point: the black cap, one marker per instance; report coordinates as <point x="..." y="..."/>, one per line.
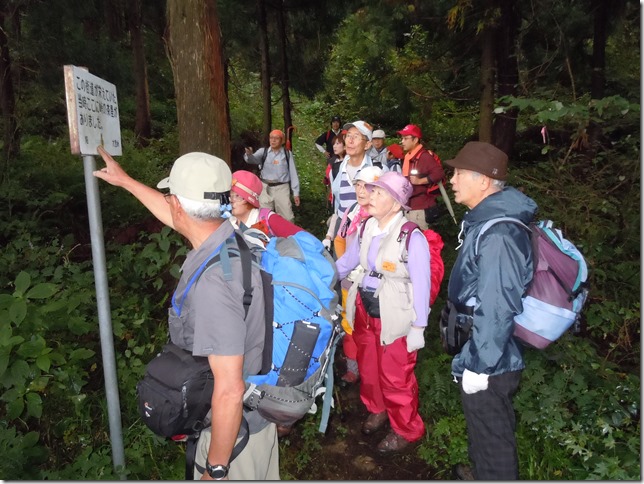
<point x="336" y="118"/>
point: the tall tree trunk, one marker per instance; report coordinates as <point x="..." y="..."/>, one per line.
<point x="143" y="122"/>
<point x="286" y="97"/>
<point x="505" y="125"/>
<point x="487" y="84"/>
<point x="11" y="136"/>
<point x="265" y="73"/>
<point x="195" y="50"/>
<point x="601" y="12"/>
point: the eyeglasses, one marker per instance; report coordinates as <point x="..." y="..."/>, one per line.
<point x="361" y="187"/>
<point x="355" y="137"/>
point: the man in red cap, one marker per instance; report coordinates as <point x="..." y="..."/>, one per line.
<point x="423" y="170"/>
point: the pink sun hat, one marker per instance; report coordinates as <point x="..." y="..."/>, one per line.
<point x="398" y="186"/>
<point x="248" y="186"/>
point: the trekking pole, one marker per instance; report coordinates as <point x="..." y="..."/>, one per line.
<point x="447" y="201"/>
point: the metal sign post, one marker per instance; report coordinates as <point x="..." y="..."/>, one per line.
<point x="92" y="115"/>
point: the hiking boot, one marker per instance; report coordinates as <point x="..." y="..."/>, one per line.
<point x="283" y="430"/>
<point x="375" y="421"/>
<point x="393" y="443"/>
<point x="462" y="472"/>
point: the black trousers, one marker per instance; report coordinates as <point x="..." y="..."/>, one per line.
<point x="491" y="424"/>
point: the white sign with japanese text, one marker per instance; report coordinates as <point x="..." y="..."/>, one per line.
<point x="92" y="113"/>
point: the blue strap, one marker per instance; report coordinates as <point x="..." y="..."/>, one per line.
<point x="179" y="306"/>
<point x="328" y="394"/>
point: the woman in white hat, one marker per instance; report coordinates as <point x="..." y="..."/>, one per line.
<point x="348" y="230"/>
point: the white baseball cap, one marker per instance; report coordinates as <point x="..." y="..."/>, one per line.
<point x="368" y="174"/>
<point x="362" y="126"/>
<point x="379" y="134"/>
<point x="198" y="176"/>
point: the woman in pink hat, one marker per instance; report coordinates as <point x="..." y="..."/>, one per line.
<point x="244" y="198"/>
<point x="388" y="306"/>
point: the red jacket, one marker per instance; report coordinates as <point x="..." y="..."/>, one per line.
<point x="426" y="165"/>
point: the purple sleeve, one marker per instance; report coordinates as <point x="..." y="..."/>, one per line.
<point x="349" y="260"/>
<point x="419" y="273"/>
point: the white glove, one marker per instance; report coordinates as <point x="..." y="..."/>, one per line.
<point x="326" y="243"/>
<point x="474" y="382"/>
<point x="415" y="339"/>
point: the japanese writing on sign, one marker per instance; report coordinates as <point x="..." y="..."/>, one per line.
<point x="92" y="113"/>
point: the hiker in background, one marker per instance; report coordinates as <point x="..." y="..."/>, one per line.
<point x="211" y="320"/>
<point x="339" y="152"/>
<point x="488" y="288"/>
<point x="394" y="157"/>
<point x="378" y="151"/>
<point x="324" y="142"/>
<point x="278" y="174"/>
<point x="351" y="221"/>
<point x="424" y="173"/>
<point x="357" y="141"/>
<point x="244" y="199"/>
<point x="388" y="305"/>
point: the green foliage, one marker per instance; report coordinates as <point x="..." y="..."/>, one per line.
<point x="570" y="400"/>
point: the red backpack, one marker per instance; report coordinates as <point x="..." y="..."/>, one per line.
<point x="435" y="242"/>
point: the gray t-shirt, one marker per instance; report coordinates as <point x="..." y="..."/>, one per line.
<point x="209" y="318"/>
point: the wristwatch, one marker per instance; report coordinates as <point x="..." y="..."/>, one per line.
<point x="217" y="472"/>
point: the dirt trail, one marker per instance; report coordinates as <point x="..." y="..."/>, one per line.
<point x="346" y="453"/>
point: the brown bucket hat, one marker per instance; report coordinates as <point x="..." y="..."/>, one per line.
<point x="483" y="158"/>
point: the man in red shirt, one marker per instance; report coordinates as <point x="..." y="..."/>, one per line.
<point x="423" y="171"/>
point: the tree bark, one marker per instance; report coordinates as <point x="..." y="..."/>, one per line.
<point x="601" y="12"/>
<point x="143" y="122"/>
<point x="195" y="51"/>
<point x="505" y="125"/>
<point x="487" y="85"/>
<point x="286" y="97"/>
<point x="11" y="135"/>
<point x="265" y="73"/>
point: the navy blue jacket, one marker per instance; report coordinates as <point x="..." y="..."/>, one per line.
<point x="493" y="282"/>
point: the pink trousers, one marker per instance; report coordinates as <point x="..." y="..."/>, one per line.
<point x="387" y="376"/>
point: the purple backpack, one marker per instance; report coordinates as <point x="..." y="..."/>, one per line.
<point x="559" y="287"/>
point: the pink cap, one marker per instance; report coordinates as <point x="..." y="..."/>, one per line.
<point x="411" y="130"/>
<point x="248" y="186"/>
<point x="396" y="185"/>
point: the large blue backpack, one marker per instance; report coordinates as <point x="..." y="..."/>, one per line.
<point x="305" y="330"/>
<point x="302" y="324"/>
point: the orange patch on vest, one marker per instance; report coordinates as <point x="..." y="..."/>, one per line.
<point x="389" y="266"/>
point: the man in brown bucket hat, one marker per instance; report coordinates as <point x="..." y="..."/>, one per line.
<point x="486" y="290"/>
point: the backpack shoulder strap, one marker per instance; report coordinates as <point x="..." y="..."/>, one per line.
<point x="494" y="221"/>
<point x="342" y="231"/>
<point x="246" y="262"/>
<point x="264" y="216"/>
<point x="407" y="228"/>
<point x="264" y="155"/>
